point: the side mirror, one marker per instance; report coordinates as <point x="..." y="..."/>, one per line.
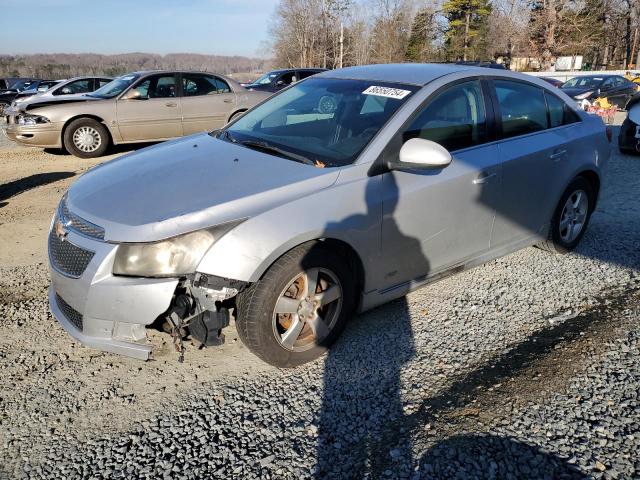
<point x="280" y="83"/>
<point x="133" y="95"/>
<point x="66" y="91"/>
<point x="421" y="154"/>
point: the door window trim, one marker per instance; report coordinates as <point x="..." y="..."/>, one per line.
<point x="498" y="116"/>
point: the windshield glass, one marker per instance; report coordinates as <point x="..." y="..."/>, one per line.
<point x="266" y="79"/>
<point x="21" y="85"/>
<point x="583" y="82"/>
<point x="115" y="87"/>
<point x="326" y="122"/>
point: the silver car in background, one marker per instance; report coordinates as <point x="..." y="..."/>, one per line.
<point x="342" y="192"/>
<point x="61" y="89"/>
<point x="149" y="106"/>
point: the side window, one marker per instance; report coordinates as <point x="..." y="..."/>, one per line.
<point x="157" y="86"/>
<point x="559" y="112"/>
<point x="455" y="118"/>
<point x="609" y="83"/>
<point x="79" y="86"/>
<point x="287" y="78"/>
<point x="222" y="86"/>
<point x="196" y="85"/>
<point x="522" y="108"/>
<point x="302" y="74"/>
<point x="102" y="82"/>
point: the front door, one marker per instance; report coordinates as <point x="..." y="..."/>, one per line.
<point x="433" y="220"/>
<point x="155" y="114"/>
<point x="207" y="102"/>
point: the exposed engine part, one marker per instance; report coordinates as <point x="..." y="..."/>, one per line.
<point x="200" y="307"/>
<point x="207" y="328"/>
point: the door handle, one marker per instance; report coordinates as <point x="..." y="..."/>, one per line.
<point x="228" y="100"/>
<point x="171" y="104"/>
<point x="557" y="154"/>
<point x="484" y="179"/>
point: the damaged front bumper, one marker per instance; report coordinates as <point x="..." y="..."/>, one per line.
<point x="110" y="312"/>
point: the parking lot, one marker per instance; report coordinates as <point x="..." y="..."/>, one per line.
<point x="527" y="367"/>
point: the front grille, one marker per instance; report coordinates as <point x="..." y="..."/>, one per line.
<point x="67" y="258"/>
<point x="79" y="224"/>
<point x="69" y="312"/>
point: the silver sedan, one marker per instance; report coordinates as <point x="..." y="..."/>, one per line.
<point x="342" y="192"/>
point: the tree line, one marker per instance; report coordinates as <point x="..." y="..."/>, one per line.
<point x="59" y="65"/>
<point x="327" y="33"/>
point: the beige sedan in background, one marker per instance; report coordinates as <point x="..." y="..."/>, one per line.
<point x="137" y="107"/>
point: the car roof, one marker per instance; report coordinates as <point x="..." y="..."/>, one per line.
<point x="411" y="73"/>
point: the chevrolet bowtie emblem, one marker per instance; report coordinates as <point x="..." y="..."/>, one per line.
<point x="61" y="232"/>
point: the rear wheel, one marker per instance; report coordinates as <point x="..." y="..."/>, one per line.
<point x="86" y="138"/>
<point x="298" y="308"/>
<point x="571" y="217"/>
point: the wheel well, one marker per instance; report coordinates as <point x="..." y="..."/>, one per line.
<point x="242" y="110"/>
<point x="77" y="117"/>
<point x="593" y="179"/>
<point x="351" y="256"/>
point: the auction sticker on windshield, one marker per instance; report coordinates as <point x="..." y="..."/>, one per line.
<point x="387" y="92"/>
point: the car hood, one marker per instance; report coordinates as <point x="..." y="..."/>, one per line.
<point x="39" y="102"/>
<point x="572" y="92"/>
<point x="188" y="184"/>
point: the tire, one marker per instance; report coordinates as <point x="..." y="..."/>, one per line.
<point x="561" y="240"/>
<point x="79" y="134"/>
<point x="264" y="331"/>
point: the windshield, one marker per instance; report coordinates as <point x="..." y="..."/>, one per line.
<point x="115" y="87"/>
<point x="21" y="85"/>
<point x="326" y="122"/>
<point x="583" y="82"/>
<point x="266" y="79"/>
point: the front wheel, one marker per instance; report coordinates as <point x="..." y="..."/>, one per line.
<point x="298" y="308"/>
<point x="571" y="217"/>
<point x="86" y="138"/>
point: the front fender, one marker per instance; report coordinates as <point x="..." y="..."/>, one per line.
<point x="349" y="212"/>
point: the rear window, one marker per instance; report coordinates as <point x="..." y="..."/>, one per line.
<point x="522" y="108"/>
<point x="559" y="112"/>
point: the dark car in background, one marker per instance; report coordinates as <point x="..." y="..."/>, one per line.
<point x="553" y="81"/>
<point x="482" y="63"/>
<point x="278" y="79"/>
<point x="629" y="136"/>
<point x="615" y="88"/>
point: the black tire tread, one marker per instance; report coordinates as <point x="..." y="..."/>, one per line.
<point x="71" y="148"/>
<point x="250" y="310"/>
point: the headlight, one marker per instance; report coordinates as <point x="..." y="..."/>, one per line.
<point x="584" y="95"/>
<point x="27" y="119"/>
<point x="168" y="258"/>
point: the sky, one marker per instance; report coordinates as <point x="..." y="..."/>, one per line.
<point x="219" y="27"/>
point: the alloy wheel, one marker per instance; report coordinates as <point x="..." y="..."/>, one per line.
<point x="574" y="215"/>
<point x="307" y="309"/>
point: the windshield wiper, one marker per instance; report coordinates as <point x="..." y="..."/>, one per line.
<point x="225" y="135"/>
<point x="278" y="151"/>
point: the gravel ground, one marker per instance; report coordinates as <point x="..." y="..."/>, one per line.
<point x="527" y="367"/>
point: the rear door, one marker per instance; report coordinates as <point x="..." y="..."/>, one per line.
<point x="533" y="154"/>
<point x="207" y="102"/>
<point x="156" y="114"/>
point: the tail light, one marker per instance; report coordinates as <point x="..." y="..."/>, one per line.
<point x="609" y="133"/>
